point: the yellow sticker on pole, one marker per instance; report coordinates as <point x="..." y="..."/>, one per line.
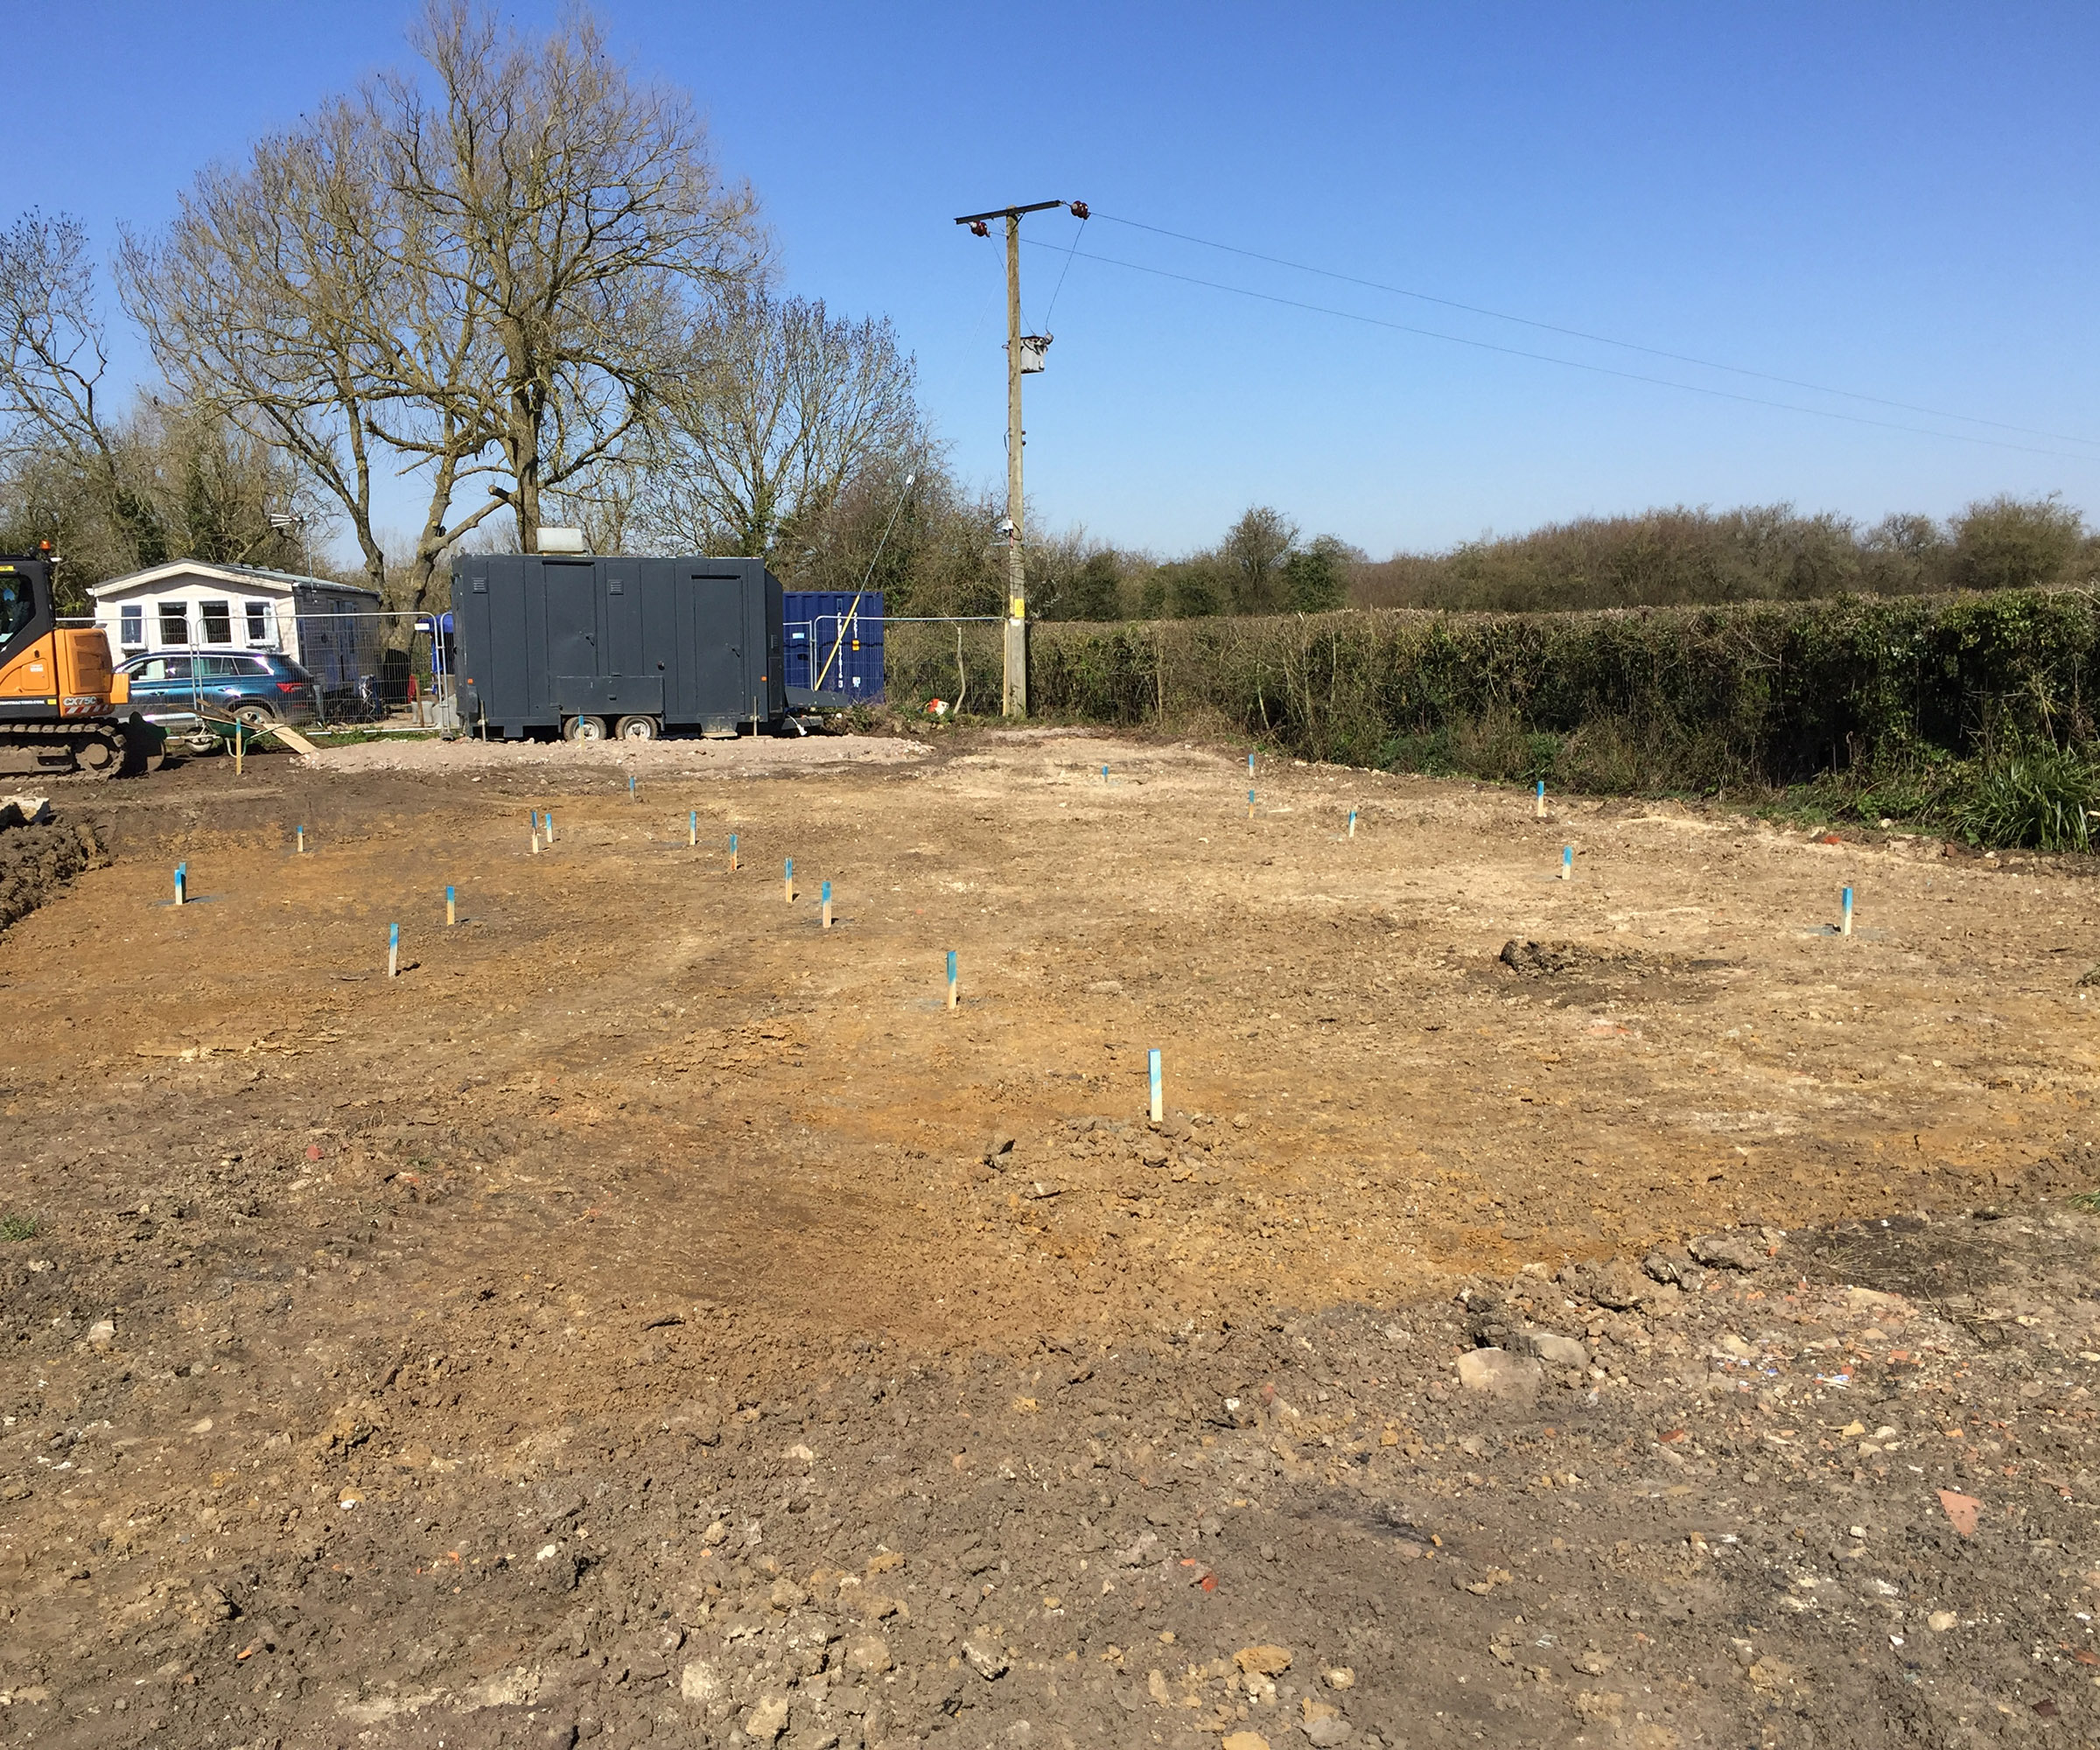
<point x="1017" y="609"/>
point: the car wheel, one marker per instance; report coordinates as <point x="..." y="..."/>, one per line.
<point x="257" y="717"/>
<point x="636" y="729"/>
<point x="585" y="729"/>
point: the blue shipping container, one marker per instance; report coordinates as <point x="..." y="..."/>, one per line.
<point x="828" y="635"/>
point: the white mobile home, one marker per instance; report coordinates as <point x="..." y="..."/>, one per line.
<point x="331" y="630"/>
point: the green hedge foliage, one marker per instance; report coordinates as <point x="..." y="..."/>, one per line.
<point x="1974" y="712"/>
<point x="1762" y="692"/>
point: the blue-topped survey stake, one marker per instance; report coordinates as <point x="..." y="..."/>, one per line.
<point x="826" y="905"/>
<point x="1352" y="823"/>
<point x="550" y="820"/>
<point x="788" y="880"/>
<point x="451" y="915"/>
<point x="1541" y="808"/>
<point x="1250" y="805"/>
<point x="1159" y="1092"/>
<point x="951" y="978"/>
<point x="182" y="871"/>
<point x="1567" y="862"/>
<point x="692" y="827"/>
<point x="733" y="853"/>
<point x="393" y="949"/>
<point x="630" y="787"/>
<point x="1104" y="774"/>
<point x="1251" y="762"/>
<point x="302" y="833"/>
<point x="1845" y="928"/>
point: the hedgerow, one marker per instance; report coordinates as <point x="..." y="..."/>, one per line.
<point x="1973" y="710"/>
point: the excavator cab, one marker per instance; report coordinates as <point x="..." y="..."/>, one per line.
<point x="18" y="606"/>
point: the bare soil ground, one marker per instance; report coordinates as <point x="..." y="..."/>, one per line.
<point x="651" y="1317"/>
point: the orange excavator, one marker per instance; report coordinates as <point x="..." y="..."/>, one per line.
<point x="62" y="705"/>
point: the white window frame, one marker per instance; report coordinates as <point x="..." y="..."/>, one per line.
<point x="131" y="626"/>
<point x="164" y="611"/>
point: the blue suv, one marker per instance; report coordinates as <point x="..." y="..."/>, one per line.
<point x="259" y="687"/>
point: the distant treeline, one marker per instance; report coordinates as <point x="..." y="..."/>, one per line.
<point x="1262" y="564"/>
<point x="1682" y="557"/>
<point x="1676" y="558"/>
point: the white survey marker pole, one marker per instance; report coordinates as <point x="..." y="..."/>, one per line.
<point x="1023" y="355"/>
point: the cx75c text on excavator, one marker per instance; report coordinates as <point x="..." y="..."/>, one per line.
<point x="62" y="707"/>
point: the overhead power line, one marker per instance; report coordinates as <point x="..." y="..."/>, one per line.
<point x="1082" y="215"/>
<point x="1578" y="364"/>
<point x="1599" y="340"/>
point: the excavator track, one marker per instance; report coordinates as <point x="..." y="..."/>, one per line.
<point x="86" y="750"/>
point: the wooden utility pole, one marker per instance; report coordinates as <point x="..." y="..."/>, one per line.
<point x="1017" y="579"/>
<point x="1024" y="355"/>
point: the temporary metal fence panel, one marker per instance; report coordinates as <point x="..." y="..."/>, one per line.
<point x="346" y="652"/>
<point x="366" y="662"/>
<point x="341" y="640"/>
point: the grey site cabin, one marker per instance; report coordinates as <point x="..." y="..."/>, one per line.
<point x="587" y="647"/>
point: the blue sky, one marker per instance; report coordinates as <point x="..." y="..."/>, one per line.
<point x="1897" y="199"/>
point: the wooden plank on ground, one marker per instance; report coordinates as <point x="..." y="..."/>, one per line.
<point x="291" y="738"/>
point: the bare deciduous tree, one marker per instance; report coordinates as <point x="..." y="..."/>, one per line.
<point x="198" y="485"/>
<point x="487" y="280"/>
<point x="53" y="357"/>
<point x="580" y="210"/>
<point x="931" y="548"/>
<point x="283" y="296"/>
<point x="791" y="405"/>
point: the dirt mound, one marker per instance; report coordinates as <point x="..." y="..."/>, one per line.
<point x="1580" y="959"/>
<point x="1564" y="959"/>
<point x="1548" y="959"/>
<point x="35" y="861"/>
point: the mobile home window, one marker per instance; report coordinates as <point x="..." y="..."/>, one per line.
<point x="218" y="622"/>
<point x="258" y="622"/>
<point x="132" y="629"/>
<point x="174" y="622"/>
